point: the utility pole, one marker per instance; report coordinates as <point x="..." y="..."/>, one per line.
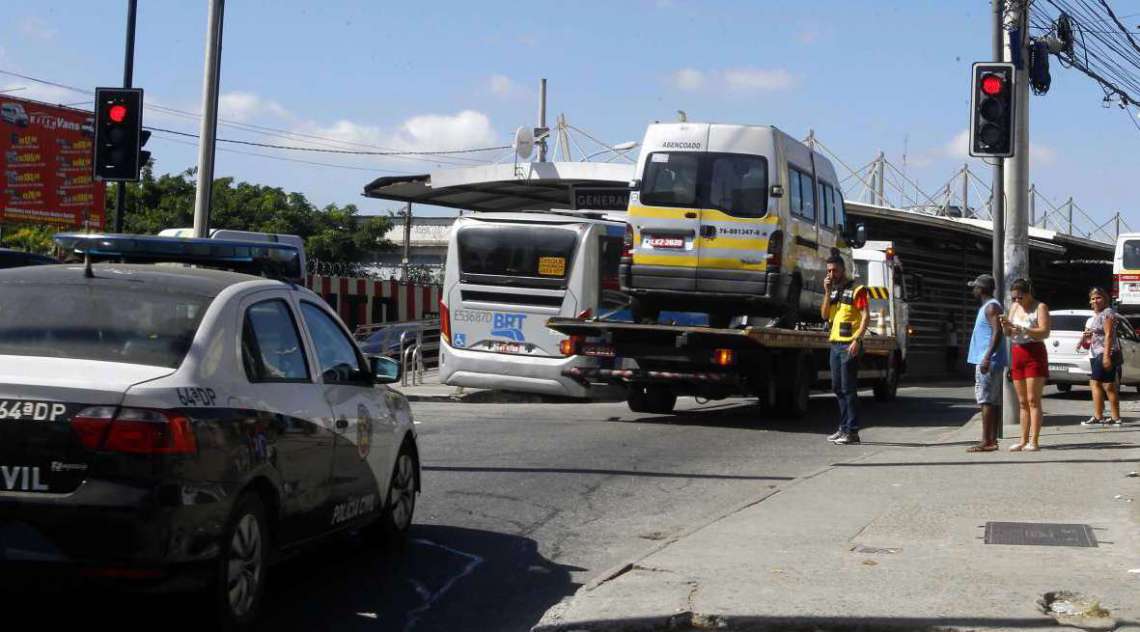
<point x="128" y="77"/>
<point x="1033" y="205"/>
<point x="407" y="240"/>
<point x="542" y="120"/>
<point x="997" y="221"/>
<point x="207" y="138"/>
<point x="1017" y="179"/>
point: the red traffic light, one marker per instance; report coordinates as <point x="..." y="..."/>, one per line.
<point x="117" y="113"/>
<point x="992" y="85"/>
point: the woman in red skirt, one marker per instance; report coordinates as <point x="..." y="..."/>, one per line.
<point x="1027" y="324"/>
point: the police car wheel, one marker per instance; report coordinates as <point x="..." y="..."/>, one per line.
<point x="396" y="518"/>
<point x="242" y="563"/>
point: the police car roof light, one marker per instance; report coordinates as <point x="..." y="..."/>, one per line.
<point x="274" y="260"/>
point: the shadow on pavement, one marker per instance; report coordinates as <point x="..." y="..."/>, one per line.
<point x="689" y="622"/>
<point x="430" y="583"/>
<point x="605" y="472"/>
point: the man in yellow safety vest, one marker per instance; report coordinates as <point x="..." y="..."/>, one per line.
<point x="845" y="308"/>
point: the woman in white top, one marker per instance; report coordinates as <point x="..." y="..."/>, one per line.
<point x="1027" y="324"/>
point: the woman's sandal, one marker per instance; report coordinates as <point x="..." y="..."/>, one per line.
<point x="1032" y="448"/>
<point x="982" y="448"/>
<point x="1017" y="448"/>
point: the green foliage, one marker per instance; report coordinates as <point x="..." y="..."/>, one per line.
<point x="333" y="234"/>
<point x="29" y="238"/>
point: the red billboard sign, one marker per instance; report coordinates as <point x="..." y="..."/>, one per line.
<point x="45" y="162"/>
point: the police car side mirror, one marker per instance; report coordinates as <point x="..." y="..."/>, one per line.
<point x="385" y="370"/>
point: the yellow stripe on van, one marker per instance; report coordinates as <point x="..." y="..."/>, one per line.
<point x="660" y="260"/>
<point x="725" y="243"/>
<point x="732" y="264"/>
<point x="714" y="215"/>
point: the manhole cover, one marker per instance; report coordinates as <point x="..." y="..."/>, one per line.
<point x="1039" y="534"/>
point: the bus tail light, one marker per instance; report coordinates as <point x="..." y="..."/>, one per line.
<point x="444" y="322"/>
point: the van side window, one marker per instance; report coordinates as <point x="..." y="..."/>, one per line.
<point x="803" y="195"/>
<point x="739" y="185"/>
<point x="671" y="179"/>
<point x="840" y="214"/>
<point x="1130" y="254"/>
<point x="826" y="205"/>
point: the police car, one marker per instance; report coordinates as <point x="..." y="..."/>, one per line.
<point x="182" y="427"/>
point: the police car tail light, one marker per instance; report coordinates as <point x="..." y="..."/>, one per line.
<point x="134" y="431"/>
<point x="444" y="322"/>
<point x="775" y="251"/>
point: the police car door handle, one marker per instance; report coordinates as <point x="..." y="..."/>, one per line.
<point x="342" y="424"/>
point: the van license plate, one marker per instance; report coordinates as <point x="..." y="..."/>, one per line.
<point x="505" y="347"/>
<point x="666" y="242"/>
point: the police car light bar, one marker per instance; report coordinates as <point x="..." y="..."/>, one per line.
<point x="269" y="259"/>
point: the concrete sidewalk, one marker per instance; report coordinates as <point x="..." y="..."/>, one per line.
<point x="896" y="540"/>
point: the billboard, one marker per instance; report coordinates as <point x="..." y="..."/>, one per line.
<point x="45" y="162"/>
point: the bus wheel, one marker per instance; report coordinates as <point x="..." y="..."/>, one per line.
<point x="660" y="399"/>
<point x="1064" y="387"/>
<point x="635" y="398"/>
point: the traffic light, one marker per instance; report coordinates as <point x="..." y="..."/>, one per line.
<point x="992" y="110"/>
<point x="118" y="134"/>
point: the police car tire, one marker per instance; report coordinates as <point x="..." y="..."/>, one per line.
<point x="249" y="514"/>
<point x="635" y="398"/>
<point x="390" y="528"/>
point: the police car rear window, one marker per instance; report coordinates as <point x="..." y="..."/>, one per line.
<point x="107" y="324"/>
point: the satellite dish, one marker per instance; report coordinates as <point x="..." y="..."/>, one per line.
<point x="524" y="142"/>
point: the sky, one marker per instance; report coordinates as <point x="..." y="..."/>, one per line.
<point x="865" y="75"/>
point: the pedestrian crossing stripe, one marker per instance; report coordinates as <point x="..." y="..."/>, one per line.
<point x="878" y="292"/>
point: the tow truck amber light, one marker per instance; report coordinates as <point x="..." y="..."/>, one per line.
<point x="444" y="322"/>
<point x="134" y="431"/>
<point x="890" y="254"/>
<point x="569" y="346"/>
<point x="627" y="243"/>
<point x="724" y="357"/>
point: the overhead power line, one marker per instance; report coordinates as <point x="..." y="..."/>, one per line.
<point x="349" y="152"/>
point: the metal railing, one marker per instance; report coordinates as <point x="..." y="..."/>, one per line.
<point x="412" y="356"/>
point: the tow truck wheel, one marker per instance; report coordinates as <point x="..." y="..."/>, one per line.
<point x="887" y="388"/>
<point x="1064" y="387"/>
<point x="660" y="399"/>
<point x="635" y="398"/>
<point x="240" y="580"/>
<point x="643" y="310"/>
<point x="795" y="392"/>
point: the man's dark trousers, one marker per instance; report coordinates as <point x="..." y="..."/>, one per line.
<point x="845" y="385"/>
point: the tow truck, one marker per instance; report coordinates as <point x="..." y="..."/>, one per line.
<point x="657" y="363"/>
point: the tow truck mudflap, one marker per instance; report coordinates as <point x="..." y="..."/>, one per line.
<point x="588" y="374"/>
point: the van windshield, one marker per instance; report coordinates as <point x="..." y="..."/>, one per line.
<point x="537" y="255"/>
<point x="1132" y="254"/>
<point x="734" y="183"/>
<point x="107" y="324"/>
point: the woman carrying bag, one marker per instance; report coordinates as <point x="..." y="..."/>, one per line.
<point x="1026" y="325"/>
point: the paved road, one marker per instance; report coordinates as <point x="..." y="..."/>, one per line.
<point x="523" y="503"/>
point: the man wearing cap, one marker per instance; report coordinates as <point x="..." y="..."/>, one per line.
<point x="987" y="353"/>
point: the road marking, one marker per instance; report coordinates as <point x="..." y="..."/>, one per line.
<point x="431" y="598"/>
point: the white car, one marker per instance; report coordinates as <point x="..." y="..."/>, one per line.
<point x="176" y="426"/>
<point x="1069" y="365"/>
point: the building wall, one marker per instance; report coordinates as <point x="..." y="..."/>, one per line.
<point x="371" y="301"/>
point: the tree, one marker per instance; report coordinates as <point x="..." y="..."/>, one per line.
<point x="30" y="238"/>
<point x="333" y="234"/>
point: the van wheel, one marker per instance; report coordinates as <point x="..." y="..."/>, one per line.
<point x="794" y="395"/>
<point x="635" y="398"/>
<point x="240" y="580"/>
<point x="644" y="310"/>
<point x="660" y="399"/>
<point x="887" y="388"/>
<point x="1064" y="387"/>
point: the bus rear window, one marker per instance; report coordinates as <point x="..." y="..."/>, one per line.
<point x="1132" y="254"/>
<point x="527" y="256"/>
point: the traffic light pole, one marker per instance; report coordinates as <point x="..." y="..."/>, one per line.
<point x="1017" y="179"/>
<point x="209" y="118"/>
<point x="128" y="77"/>
<point x="997" y="207"/>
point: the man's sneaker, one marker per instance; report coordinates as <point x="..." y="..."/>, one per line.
<point x="1092" y="421"/>
<point x="835" y="435"/>
<point x="850" y="438"/>
<point x="1113" y="422"/>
